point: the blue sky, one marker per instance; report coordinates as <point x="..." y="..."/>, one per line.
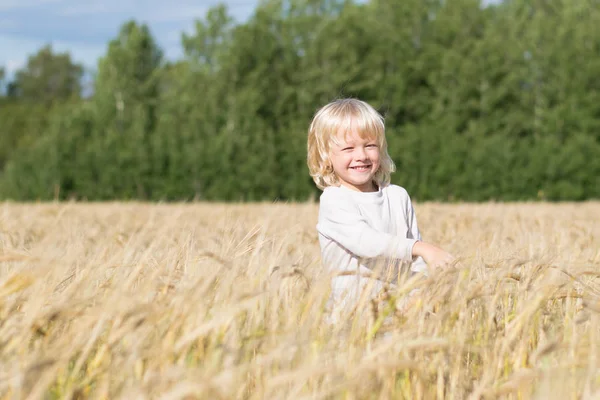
<point x="84" y="27"/>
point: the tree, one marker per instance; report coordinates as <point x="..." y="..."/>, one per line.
<point x="498" y="102"/>
<point x="126" y="100"/>
<point x="48" y="77"/>
<point x="128" y="74"/>
<point x="207" y="45"/>
<point x="2" y="77"/>
<point x="188" y="146"/>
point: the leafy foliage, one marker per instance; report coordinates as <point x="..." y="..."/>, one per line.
<point x="481" y="103"/>
<point x="48" y="77"/>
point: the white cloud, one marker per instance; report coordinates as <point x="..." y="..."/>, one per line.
<point x="84" y="28"/>
<point x="6" y="23"/>
<point x="146" y="10"/>
<point x="15" y="4"/>
<point x="16" y="51"/>
<point x="13" y="65"/>
<point x="174" y="14"/>
<point x="80" y="9"/>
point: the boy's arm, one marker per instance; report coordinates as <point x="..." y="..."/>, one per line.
<point x="418" y="264"/>
<point x="434" y="256"/>
<point x="340" y="221"/>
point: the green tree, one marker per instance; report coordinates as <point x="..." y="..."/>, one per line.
<point x="125" y="101"/>
<point x="481" y="102"/>
<point x="188" y="146"/>
<point x="48" y="77"/>
<point x="2" y="82"/>
<point x="58" y="163"/>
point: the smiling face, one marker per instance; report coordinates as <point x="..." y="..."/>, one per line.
<point x="346" y="146"/>
<point x="355" y="161"/>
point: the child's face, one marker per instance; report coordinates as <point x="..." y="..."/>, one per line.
<point x="355" y="161"/>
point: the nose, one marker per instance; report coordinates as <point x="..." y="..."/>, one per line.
<point x="360" y="153"/>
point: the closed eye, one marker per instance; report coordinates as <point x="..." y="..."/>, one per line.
<point x="347" y="148"/>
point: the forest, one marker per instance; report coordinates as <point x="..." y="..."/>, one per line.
<point x="482" y="103"/>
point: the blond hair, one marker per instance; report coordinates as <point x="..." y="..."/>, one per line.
<point x="345" y="115"/>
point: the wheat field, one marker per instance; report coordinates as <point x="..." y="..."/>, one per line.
<point x="216" y="301"/>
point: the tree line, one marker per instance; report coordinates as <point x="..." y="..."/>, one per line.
<point x="482" y="102"/>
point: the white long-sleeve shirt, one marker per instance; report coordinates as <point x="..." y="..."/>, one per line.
<point x="358" y="230"/>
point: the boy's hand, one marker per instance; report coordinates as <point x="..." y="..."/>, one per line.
<point x="434" y="256"/>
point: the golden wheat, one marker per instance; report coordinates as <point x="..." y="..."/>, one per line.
<point x="184" y="301"/>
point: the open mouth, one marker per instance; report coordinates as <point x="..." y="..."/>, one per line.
<point x="361" y="168"/>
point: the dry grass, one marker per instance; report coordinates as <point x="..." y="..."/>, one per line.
<point x="214" y="301"/>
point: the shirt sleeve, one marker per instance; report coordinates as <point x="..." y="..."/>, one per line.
<point x="340" y="221"/>
<point x="418" y="264"/>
